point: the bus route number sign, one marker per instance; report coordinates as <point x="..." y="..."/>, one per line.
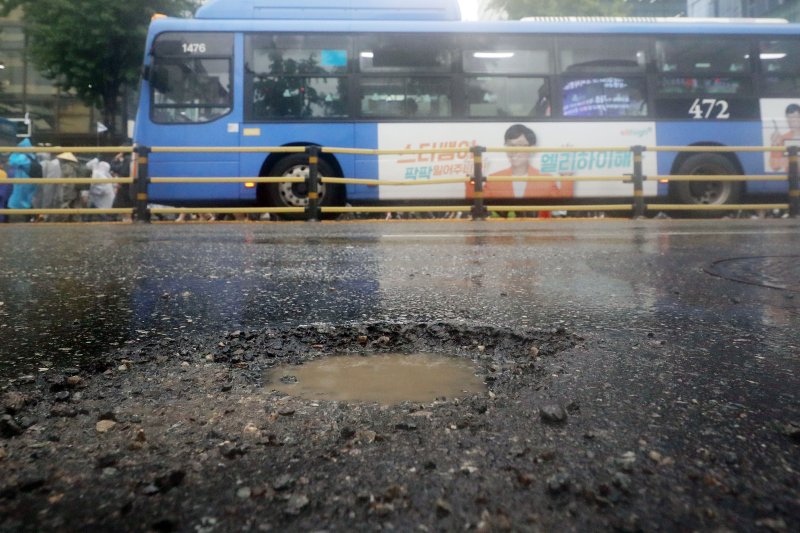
<point x="706" y="108"/>
<point x="194" y="48"/>
<point x="175" y="44"/>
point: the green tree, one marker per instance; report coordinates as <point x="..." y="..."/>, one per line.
<point x="94" y="47"/>
<point x="516" y="9"/>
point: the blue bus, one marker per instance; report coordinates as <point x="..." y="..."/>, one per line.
<point x="392" y="75"/>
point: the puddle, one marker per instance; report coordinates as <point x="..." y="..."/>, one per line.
<point x="382" y="378"/>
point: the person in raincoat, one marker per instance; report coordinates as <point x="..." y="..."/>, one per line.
<point x="21" y="195"/>
<point x="51" y="193"/>
<point x="70" y="193"/>
<point x="101" y="195"/>
<point x="121" y="168"/>
<point x="5" y="188"/>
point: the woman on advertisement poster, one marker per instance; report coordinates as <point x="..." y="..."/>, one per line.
<point x="519" y="136"/>
<point x="777" y="160"/>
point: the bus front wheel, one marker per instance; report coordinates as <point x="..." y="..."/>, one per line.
<point x="707" y="192"/>
<point x="296" y="194"/>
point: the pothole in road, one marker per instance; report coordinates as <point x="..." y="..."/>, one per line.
<point x="373" y="361"/>
<point x="382" y="378"/>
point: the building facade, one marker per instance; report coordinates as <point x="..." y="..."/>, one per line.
<point x="56" y="117"/>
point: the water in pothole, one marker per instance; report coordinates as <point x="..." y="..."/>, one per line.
<point x="382" y="378"/>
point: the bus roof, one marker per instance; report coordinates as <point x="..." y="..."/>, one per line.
<point x="498" y="27"/>
<point x="331" y="9"/>
<point x="660" y="20"/>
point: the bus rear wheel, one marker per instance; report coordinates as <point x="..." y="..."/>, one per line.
<point x="296" y="194"/>
<point x="707" y="192"/>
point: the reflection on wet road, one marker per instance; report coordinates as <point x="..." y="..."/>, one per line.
<point x="69" y="293"/>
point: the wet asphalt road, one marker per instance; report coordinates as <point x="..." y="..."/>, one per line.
<point x="692" y="348"/>
<point x="70" y="292"/>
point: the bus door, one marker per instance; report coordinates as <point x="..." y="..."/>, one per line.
<point x="191" y="82"/>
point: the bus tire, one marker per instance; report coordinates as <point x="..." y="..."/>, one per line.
<point x="296" y="194"/>
<point x="707" y="192"/>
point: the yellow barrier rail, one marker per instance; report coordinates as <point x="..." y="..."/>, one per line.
<point x="492" y="179"/>
<point x="208" y="180"/>
<point x="478" y="208"/>
<point x="543" y="149"/>
<point x="228" y="149"/>
<point x="61" y="149"/>
<point x="69" y="211"/>
<point x="715" y="149"/>
<point x="398" y="209"/>
<point x="719" y="177"/>
<point x="64" y="181"/>
<point x="414" y="151"/>
<point x="402" y="183"/>
<point x="598" y="207"/>
<point x="219" y="210"/>
<point x="714" y="207"/>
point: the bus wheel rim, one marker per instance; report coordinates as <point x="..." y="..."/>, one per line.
<point x="709" y="192"/>
<point x="296" y="194"/>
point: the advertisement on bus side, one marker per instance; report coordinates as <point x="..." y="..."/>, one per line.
<point x="780" y="125"/>
<point x="504" y="166"/>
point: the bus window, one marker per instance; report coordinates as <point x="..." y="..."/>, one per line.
<point x="503" y="96"/>
<point x="604" y="97"/>
<point x="678" y="85"/>
<point x="296" y="76"/>
<point x="505" y="85"/>
<point x="405" y="52"/>
<point x="423" y="98"/>
<point x="190" y="80"/>
<point x="293" y="54"/>
<point x="603" y="55"/>
<point x="706" y="55"/>
<point x="506" y="55"/>
<point x="298" y="97"/>
<point x="780" y="66"/>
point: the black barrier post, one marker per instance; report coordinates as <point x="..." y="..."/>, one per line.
<point x="638" y="182"/>
<point x="140" y="185"/>
<point x="313" y="183"/>
<point x="794" y="182"/>
<point x="479" y="211"/>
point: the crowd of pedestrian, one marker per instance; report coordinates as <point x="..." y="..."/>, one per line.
<point x="26" y="165"/>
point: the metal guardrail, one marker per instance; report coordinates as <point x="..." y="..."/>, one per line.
<point x="478" y="209"/>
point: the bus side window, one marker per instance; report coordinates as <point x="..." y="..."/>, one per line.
<point x="604" y="97"/>
<point x="507" y="76"/>
<point x="405" y="97"/>
<point x="296" y="76"/>
<point x="504" y="96"/>
<point x="706" y="55"/>
<point x="780" y="66"/>
<point x="603" y="55"/>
